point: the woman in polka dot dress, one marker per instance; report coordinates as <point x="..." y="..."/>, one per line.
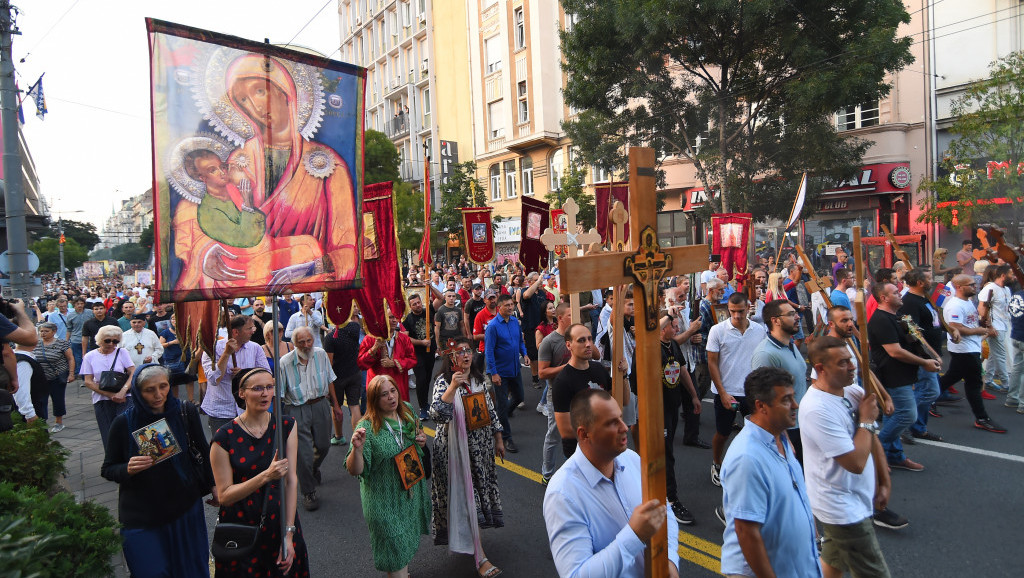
<point x="244" y="467"/>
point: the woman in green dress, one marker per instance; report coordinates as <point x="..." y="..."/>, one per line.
<point x="396" y="517"/>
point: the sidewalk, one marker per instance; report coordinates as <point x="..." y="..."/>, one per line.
<point x="82" y="438"/>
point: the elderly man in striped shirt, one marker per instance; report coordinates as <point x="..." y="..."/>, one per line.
<point x="233" y="355"/>
<point x="306" y="376"/>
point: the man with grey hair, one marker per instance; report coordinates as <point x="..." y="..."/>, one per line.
<point x="306" y="375"/>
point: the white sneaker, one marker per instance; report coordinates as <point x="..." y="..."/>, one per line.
<point x="57" y="428"/>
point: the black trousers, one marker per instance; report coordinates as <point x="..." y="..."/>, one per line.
<point x="673" y="398"/>
<point x="691" y="420"/>
<point x="966" y="366"/>
<point x="423" y="372"/>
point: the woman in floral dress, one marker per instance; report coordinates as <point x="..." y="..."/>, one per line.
<point x="395" y="516"/>
<point x="464" y="492"/>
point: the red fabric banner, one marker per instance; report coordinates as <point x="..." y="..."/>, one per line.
<point x="479" y="235"/>
<point x="382" y="278"/>
<point x="425" y="244"/>
<point x="605" y="196"/>
<point x="558" y="226"/>
<point x="730" y="237"/>
<point x="535" y="218"/>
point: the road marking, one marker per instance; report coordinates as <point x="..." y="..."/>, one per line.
<point x="970" y="450"/>
<point x="691" y="548"/>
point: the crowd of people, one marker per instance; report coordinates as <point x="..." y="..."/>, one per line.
<point x="805" y="478"/>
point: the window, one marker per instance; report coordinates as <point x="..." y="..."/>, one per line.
<point x="555" y="169"/>
<point x="495" y="182"/>
<point x="524" y="111"/>
<point x="601" y="175"/>
<point x="527" y="166"/>
<point x="570" y="20"/>
<point x="519" y="28"/>
<point x="859" y="116"/>
<point x="510" y="179"/>
<point x="495" y="120"/>
<point x="425" y="102"/>
<point x="521" y="89"/>
<point x="492" y="51"/>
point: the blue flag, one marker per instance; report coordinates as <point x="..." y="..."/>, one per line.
<point x="36" y="92"/>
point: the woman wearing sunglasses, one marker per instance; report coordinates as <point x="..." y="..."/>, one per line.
<point x="464" y="452"/>
<point x="108" y="357"/>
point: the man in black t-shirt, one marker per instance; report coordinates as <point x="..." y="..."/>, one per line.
<point x="579" y="374"/>
<point x="415" y="323"/>
<point x="342" y="347"/>
<point x="260" y="317"/>
<point x="92" y="326"/>
<point x="160" y="319"/>
<point x="448" y="322"/>
<point x="533" y="302"/>
<point x="896" y="367"/>
<point x="473" y="305"/>
<point x="917" y="306"/>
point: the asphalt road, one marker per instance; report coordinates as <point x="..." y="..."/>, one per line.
<point x="963" y="508"/>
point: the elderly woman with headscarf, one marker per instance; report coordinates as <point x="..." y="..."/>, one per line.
<point x="55" y="357"/>
<point x="107" y="405"/>
<point x="160" y="506"/>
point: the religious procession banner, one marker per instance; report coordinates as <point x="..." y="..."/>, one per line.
<point x="730" y="237"/>
<point x="382" y="274"/>
<point x="479" y="235"/>
<point x="605" y="195"/>
<point x="559" y="225"/>
<point x="257" y="167"/>
<point x="535" y="219"/>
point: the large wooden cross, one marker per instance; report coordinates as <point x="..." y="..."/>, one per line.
<point x="644" y="268"/>
<point x="573" y="241"/>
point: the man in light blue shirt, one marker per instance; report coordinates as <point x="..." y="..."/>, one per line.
<point x="596" y="521"/>
<point x="769" y="527"/>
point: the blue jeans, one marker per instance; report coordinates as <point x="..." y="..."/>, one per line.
<point x="76" y="352"/>
<point x="503" y="406"/>
<point x="1016" y="393"/>
<point x="926" y="391"/>
<point x="905" y="415"/>
<point x="995" y="365"/>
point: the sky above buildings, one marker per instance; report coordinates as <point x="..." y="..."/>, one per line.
<point x="94" y="148"/>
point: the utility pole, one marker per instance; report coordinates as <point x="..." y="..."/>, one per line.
<point x="14" y="197"/>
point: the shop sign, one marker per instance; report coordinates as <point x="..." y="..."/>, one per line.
<point x="507" y="231"/>
<point x="839" y="205"/>
<point x="874" y="179"/>
<point x="449" y="158"/>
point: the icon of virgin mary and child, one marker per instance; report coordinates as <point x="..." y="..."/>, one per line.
<point x="261" y="204"/>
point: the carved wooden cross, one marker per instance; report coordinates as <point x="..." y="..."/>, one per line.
<point x="619" y="217"/>
<point x="573" y="241"/>
<point x="607" y="270"/>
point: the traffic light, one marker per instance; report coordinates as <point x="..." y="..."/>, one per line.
<point x="62" y="239"/>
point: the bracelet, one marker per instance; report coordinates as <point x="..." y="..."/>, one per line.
<point x="289" y="529"/>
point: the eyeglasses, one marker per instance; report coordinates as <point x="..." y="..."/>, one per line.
<point x="463" y="351"/>
<point x="790" y="314"/>
<point x="260" y="388"/>
<point x="109" y="341"/>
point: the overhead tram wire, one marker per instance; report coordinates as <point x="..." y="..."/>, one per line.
<point x="310" y="21"/>
<point x="48" y="31"/>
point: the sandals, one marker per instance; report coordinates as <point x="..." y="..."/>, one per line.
<point x="494" y="571"/>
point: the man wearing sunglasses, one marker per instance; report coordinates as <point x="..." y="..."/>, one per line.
<point x="779" y="350"/>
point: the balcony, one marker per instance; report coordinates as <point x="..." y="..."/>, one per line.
<point x="397" y="127"/>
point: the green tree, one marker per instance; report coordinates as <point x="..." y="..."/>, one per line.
<point x="84" y="233"/>
<point x="408" y="216"/>
<point x="571" y="187"/>
<point x="146" y="238"/>
<point x="127" y="252"/>
<point x="743" y="89"/>
<point x="381" y="158"/>
<point x="461" y="190"/>
<point x="48" y="251"/>
<point x="983" y="161"/>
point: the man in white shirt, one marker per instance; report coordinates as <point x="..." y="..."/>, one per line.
<point x="142" y="345"/>
<point x="731" y="346"/>
<point x="844" y="465"/>
<point x="714" y="261"/>
<point x="309" y="317"/>
<point x="994" y="305"/>
<point x="587" y="534"/>
<point x="965" y="355"/>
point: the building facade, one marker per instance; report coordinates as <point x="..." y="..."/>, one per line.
<point x="126" y="223"/>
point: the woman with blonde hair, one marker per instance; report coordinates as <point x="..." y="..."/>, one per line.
<point x="107" y="405"/>
<point x="396" y="517"/>
<point x="268" y="342"/>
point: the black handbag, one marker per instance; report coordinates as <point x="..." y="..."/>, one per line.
<point x="233" y="541"/>
<point x="112" y="381"/>
<point x="200" y="477"/>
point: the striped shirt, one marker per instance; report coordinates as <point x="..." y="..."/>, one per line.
<point x="218" y="401"/>
<point x="303" y="383"/>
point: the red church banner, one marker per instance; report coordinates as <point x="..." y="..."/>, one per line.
<point x="730" y="236"/>
<point x="382" y="275"/>
<point x="605" y="196"/>
<point x="536" y="217"/>
<point x="479" y="234"/>
<point x="257" y="166"/>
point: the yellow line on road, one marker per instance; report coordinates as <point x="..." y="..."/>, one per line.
<point x="691" y="548"/>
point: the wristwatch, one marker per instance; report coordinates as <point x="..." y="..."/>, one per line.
<point x="289" y="529"/>
<point x="870" y="426"/>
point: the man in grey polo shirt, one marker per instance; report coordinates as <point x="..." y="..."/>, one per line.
<point x="780" y="351"/>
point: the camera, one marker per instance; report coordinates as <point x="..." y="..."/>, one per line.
<point x="6" y="309"/>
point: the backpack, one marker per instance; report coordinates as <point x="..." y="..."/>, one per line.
<point x="38" y="387"/>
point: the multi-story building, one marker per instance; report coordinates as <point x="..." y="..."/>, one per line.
<point x="125" y="225"/>
<point x="417" y="89"/>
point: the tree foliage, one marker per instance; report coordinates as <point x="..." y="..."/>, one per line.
<point x="983" y="161"/>
<point x="48" y="251"/>
<point x="84" y="233"/>
<point x="571" y="187"/>
<point x="128" y="252"/>
<point x="380" y="158"/>
<point x="408" y="216"/>
<point x="461" y="190"/>
<point x="146" y="237"/>
<point x="744" y="90"/>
